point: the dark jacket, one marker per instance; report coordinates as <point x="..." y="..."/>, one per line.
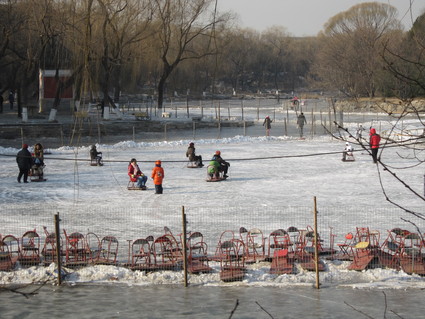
<point x="267" y="123"/>
<point x="23" y="158"/>
<point x="219" y="160"/>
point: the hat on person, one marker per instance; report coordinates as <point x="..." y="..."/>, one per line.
<point x="25" y="146"/>
<point x="158" y="163"/>
<point x="191" y="144"/>
<point x="346" y="143"/>
<point x="217" y="152"/>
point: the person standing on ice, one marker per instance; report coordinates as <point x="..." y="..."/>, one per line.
<point x="136" y="174"/>
<point x="374" y="141"/>
<point x="359" y="132"/>
<point x="267" y="124"/>
<point x="300" y="122"/>
<point x="190" y="153"/>
<point x="158" y="176"/>
<point x="24" y="161"/>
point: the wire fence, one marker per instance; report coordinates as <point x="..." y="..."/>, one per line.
<point x="150" y="239"/>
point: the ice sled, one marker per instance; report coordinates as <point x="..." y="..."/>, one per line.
<point x="9" y="252"/>
<point x="36" y="173"/>
<point x="281" y="263"/>
<point x="131" y="186"/>
<point x="232" y="262"/>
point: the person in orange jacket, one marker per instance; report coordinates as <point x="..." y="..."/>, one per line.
<point x="158" y="176"/>
<point x="374" y="141"/>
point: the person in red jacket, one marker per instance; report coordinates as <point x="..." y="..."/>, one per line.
<point x="158" y="176"/>
<point x="374" y="141"/>
<point x="136" y="174"/>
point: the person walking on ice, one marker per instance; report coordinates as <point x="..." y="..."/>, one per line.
<point x="158" y="176"/>
<point x="267" y="124"/>
<point x="300" y="122"/>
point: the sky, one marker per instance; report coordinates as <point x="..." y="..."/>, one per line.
<point x="305" y="17"/>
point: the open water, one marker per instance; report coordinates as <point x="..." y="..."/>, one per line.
<point x="124" y="301"/>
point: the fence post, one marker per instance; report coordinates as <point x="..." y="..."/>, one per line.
<point x="22" y="135"/>
<point x="242" y="109"/>
<point x="285" y="126"/>
<point x="58" y="248"/>
<point x="194" y="129"/>
<point x="316" y="246"/>
<point x="184" y="247"/>
<point x="134" y="134"/>
<point x="244" y="128"/>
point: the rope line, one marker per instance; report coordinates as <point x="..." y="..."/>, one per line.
<point x="232" y="159"/>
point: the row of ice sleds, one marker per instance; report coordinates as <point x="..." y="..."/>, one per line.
<point x="76" y="249"/>
<point x="283" y="248"/>
<point x="400" y="250"/>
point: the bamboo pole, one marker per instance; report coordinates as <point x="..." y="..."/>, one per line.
<point x="184" y="247"/>
<point x="58" y="248"/>
<point x="316" y="246"/>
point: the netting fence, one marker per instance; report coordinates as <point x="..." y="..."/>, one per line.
<point x="133" y="237"/>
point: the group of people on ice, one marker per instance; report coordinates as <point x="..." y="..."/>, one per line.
<point x="374" y="141"/>
<point x="217" y="168"/>
<point x="137" y="176"/>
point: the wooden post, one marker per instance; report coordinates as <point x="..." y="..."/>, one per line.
<point x="58" y="248"/>
<point x="316" y="246"/>
<point x="187" y="105"/>
<point x="285" y="126"/>
<point x="134" y="134"/>
<point x="62" y="135"/>
<point x="184" y="242"/>
<point x="22" y="136"/>
<point x="202" y="109"/>
<point x="194" y="129"/>
<point x="228" y="112"/>
<point x="244" y="128"/>
<point x="242" y="108"/>
<point x="258" y="110"/>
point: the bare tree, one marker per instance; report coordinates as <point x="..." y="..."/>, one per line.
<point x="180" y="25"/>
<point x="352" y="41"/>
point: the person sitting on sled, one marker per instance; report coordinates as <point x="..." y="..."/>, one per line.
<point x="38" y="155"/>
<point x="224" y="166"/>
<point x="95" y="155"/>
<point x="348" y="151"/>
<point x="136" y="174"/>
<point x="213" y="169"/>
<point x="190" y="153"/>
